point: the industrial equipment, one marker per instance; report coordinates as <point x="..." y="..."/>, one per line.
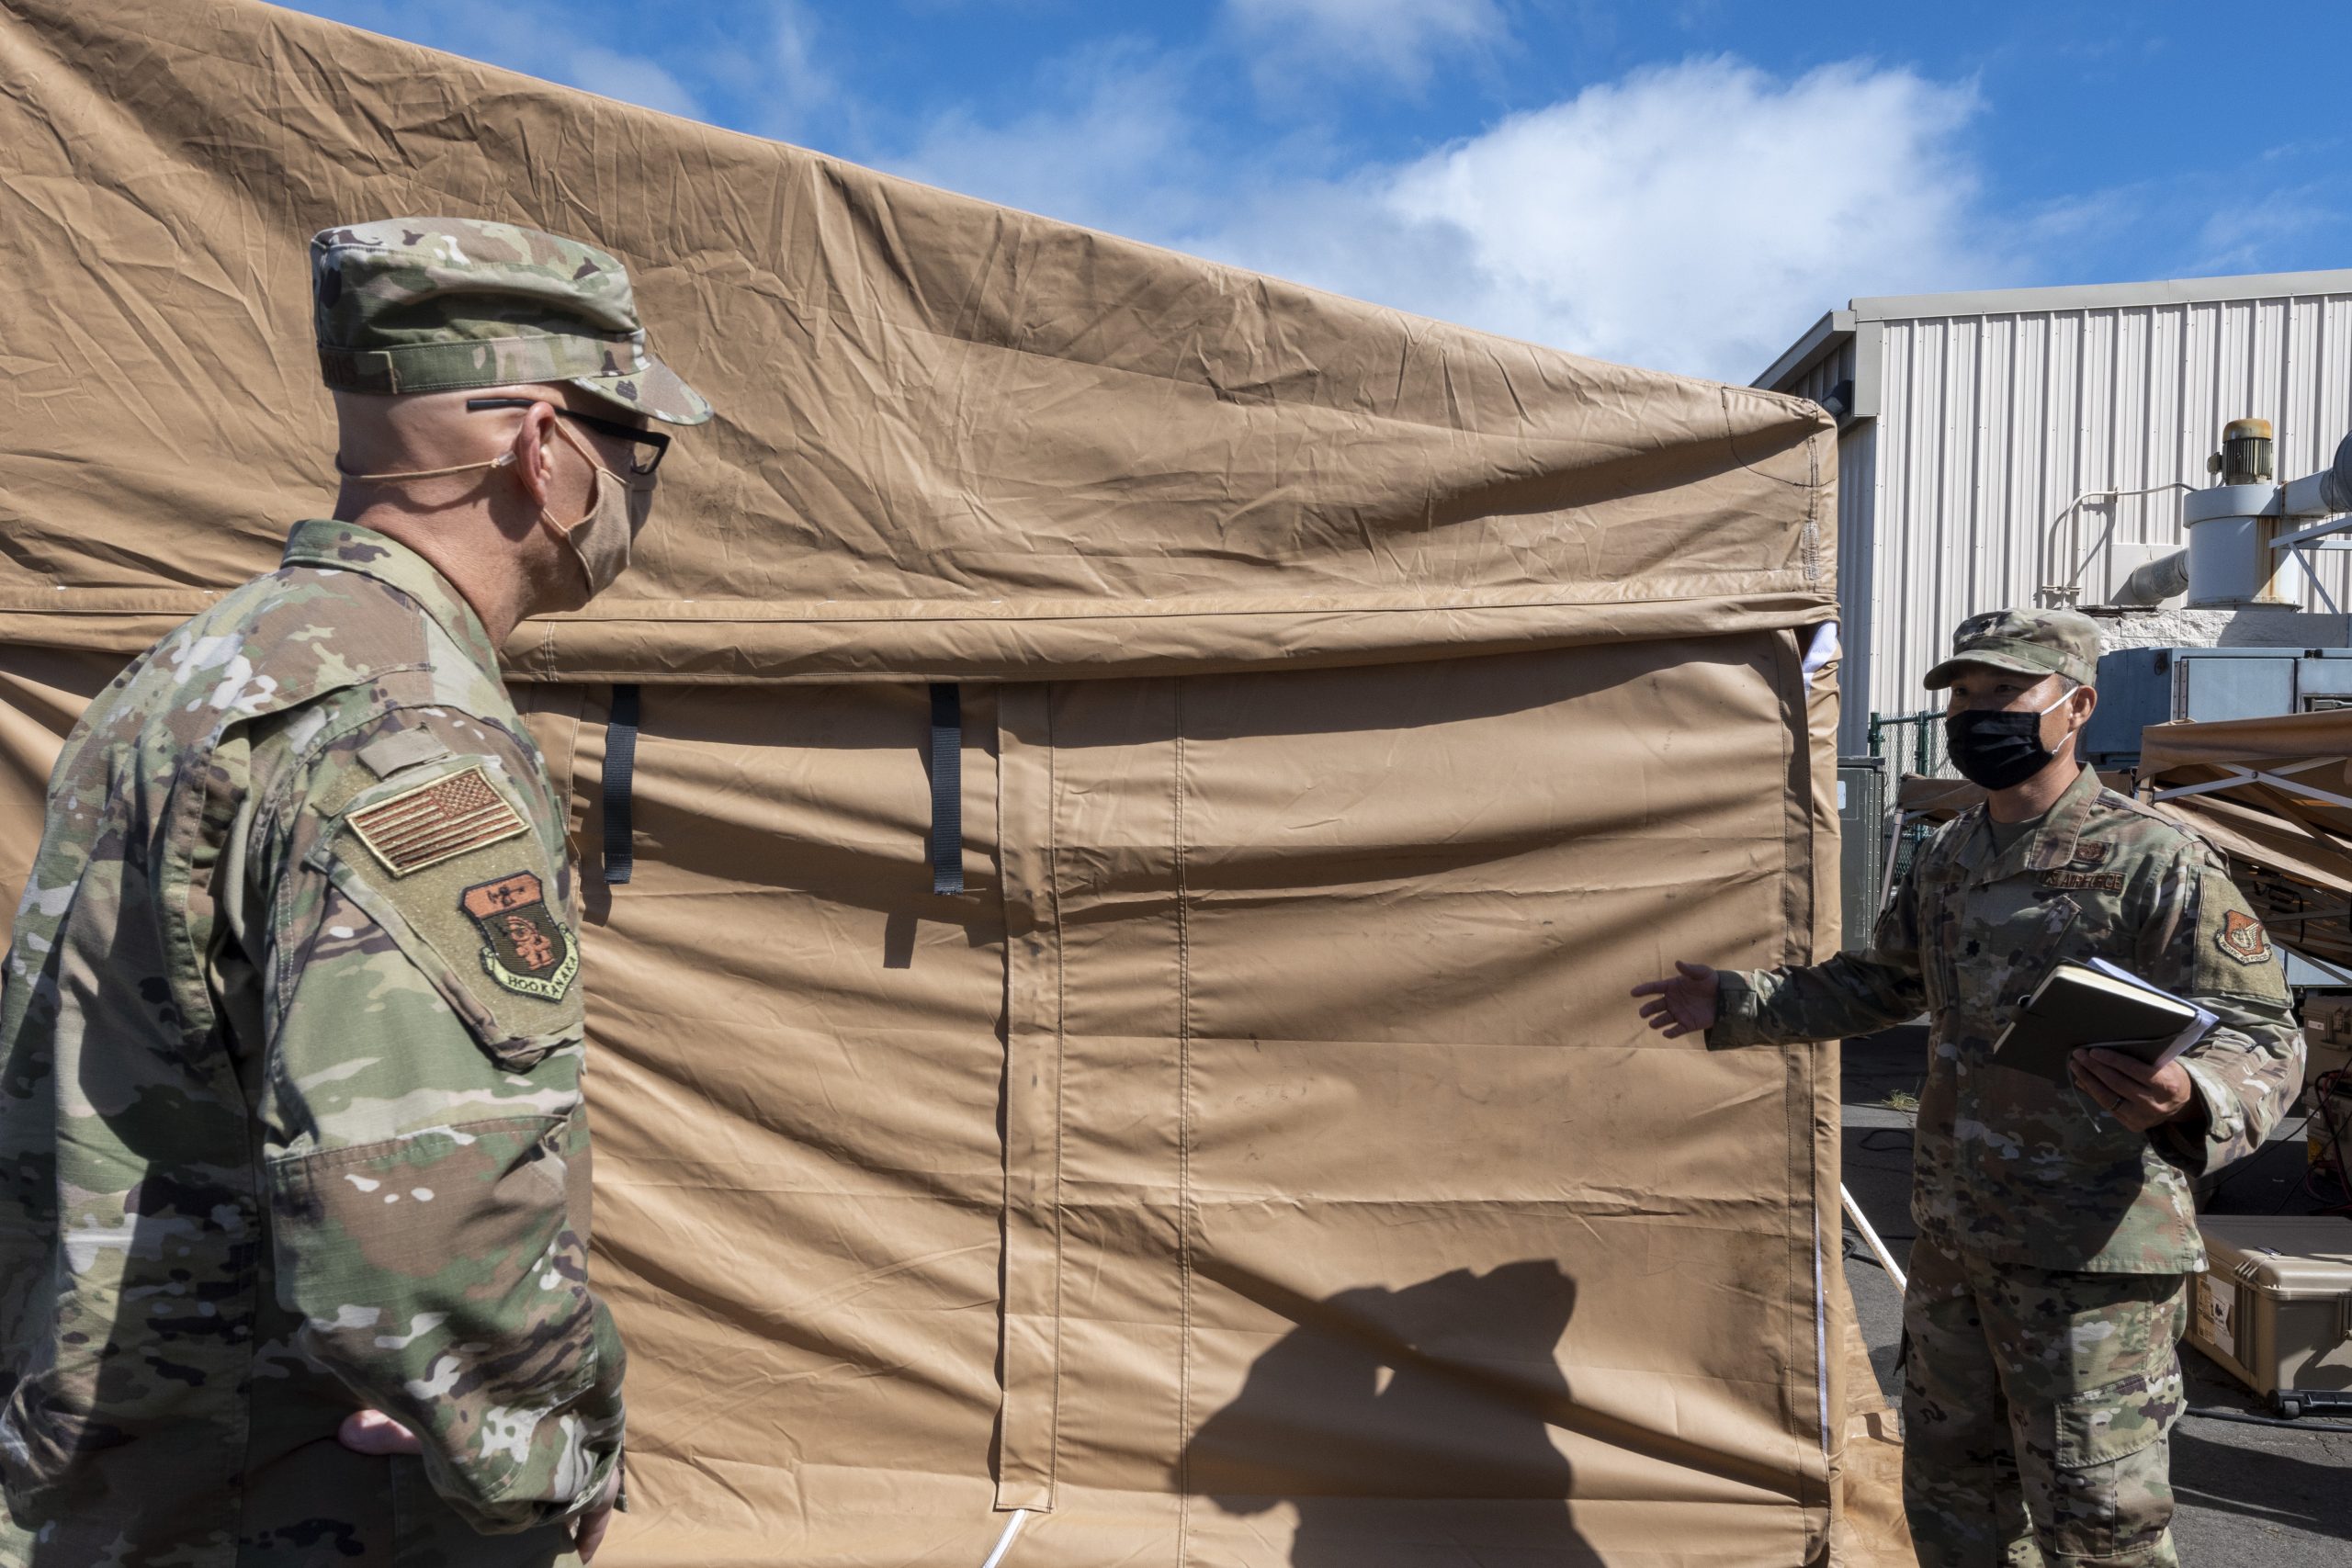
<point x="2141" y="686"/>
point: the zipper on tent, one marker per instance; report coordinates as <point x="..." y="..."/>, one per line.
<point x="946" y="789"/>
<point x="620" y="770"/>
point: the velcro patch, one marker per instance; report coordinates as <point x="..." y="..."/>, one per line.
<point x="397" y="749"/>
<point x="454" y="815"/>
<point x="2242" y="938"/>
<point x="2087" y="855"/>
<point x="2098" y="881"/>
<point x="525" y="947"/>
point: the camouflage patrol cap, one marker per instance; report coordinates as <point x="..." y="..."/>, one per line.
<point x="2031" y="642"/>
<point x="438" y="304"/>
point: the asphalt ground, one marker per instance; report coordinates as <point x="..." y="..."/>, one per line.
<point x="2249" y="1496"/>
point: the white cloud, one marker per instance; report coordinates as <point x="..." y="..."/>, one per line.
<point x="1114" y="147"/>
<point x="1393" y="38"/>
<point x="630" y="78"/>
<point x="1692" y="218"/>
<point x="802" y="85"/>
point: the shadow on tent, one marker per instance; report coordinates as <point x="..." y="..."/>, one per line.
<point x="1399" y="1423"/>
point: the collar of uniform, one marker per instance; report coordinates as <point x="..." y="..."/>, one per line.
<point x="2062" y="829"/>
<point x="2047" y="847"/>
<point x="346" y="546"/>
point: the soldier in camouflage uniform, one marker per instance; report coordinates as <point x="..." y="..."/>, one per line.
<point x="2056" y="1231"/>
<point x="292" y="1018"/>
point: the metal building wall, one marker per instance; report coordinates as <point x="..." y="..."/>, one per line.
<point x="1857" y="578"/>
<point x="1990" y="470"/>
<point x="1818" y="379"/>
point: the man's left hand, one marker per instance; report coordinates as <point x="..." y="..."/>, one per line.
<point x="373" y="1432"/>
<point x="2139" y="1096"/>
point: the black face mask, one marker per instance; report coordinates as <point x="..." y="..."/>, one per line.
<point x="1998" y="749"/>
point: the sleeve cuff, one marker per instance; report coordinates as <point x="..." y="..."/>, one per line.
<point x="2199" y="1143"/>
<point x="1735" y="1011"/>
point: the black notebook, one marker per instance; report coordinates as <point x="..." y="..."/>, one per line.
<point x="2097" y="1004"/>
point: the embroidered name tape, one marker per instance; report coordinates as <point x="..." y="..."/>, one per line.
<point x="452" y="816"/>
<point x="525" y="947"/>
<point x="2095" y="881"/>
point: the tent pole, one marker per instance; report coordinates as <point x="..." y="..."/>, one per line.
<point x="1878" y="1247"/>
<point x="1894" y="849"/>
<point x="1004" y="1541"/>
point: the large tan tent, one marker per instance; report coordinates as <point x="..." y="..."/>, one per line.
<point x="1258" y="1160"/>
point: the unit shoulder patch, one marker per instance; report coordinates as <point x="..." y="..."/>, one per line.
<point x="525" y="947"/>
<point x="2241" y="937"/>
<point x="441" y="819"/>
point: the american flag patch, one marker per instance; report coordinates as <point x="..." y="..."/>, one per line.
<point x="452" y="816"/>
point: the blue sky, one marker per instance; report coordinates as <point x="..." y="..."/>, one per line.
<point x="1686" y="184"/>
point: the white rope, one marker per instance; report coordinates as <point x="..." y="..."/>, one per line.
<point x="1004" y="1541"/>
<point x="1869" y="1238"/>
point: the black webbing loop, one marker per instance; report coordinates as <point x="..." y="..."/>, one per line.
<point x="946" y="789"/>
<point x="620" y="768"/>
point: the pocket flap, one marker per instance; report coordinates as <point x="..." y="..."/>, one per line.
<point x="2118" y="1419"/>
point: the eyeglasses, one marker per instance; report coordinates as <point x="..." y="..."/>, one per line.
<point x="641" y="463"/>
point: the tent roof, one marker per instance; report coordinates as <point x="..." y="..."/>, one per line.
<point x="953" y="439"/>
<point x="2276" y="795"/>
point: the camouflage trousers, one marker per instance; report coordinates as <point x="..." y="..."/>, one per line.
<point x="2036" y="1410"/>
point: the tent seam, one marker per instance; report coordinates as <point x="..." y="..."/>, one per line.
<point x="1184" y="1200"/>
<point x="1483" y="600"/>
<point x="1052" y="893"/>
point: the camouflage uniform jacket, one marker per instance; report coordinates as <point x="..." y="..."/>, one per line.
<point x="2008" y="1165"/>
<point x="292" y="1114"/>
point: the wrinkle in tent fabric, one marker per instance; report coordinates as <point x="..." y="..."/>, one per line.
<point x="1259" y="1160"/>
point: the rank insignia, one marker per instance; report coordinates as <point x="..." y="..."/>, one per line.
<point x="451" y="815"/>
<point x="2242" y="938"/>
<point x="525" y="947"/>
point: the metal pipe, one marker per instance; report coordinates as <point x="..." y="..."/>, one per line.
<point x="2152" y="582"/>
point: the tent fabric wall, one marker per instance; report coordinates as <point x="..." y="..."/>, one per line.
<point x="1594" y="1313"/>
<point x="1259" y="1161"/>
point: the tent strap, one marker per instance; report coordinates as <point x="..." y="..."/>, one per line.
<point x="620" y="772"/>
<point x="946" y="789"/>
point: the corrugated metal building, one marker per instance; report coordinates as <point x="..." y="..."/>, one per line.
<point x="2031" y="444"/>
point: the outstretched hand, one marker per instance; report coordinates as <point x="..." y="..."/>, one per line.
<point x="1683" y="1005"/>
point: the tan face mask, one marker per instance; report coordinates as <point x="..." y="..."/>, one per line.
<point x="600" y="541"/>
